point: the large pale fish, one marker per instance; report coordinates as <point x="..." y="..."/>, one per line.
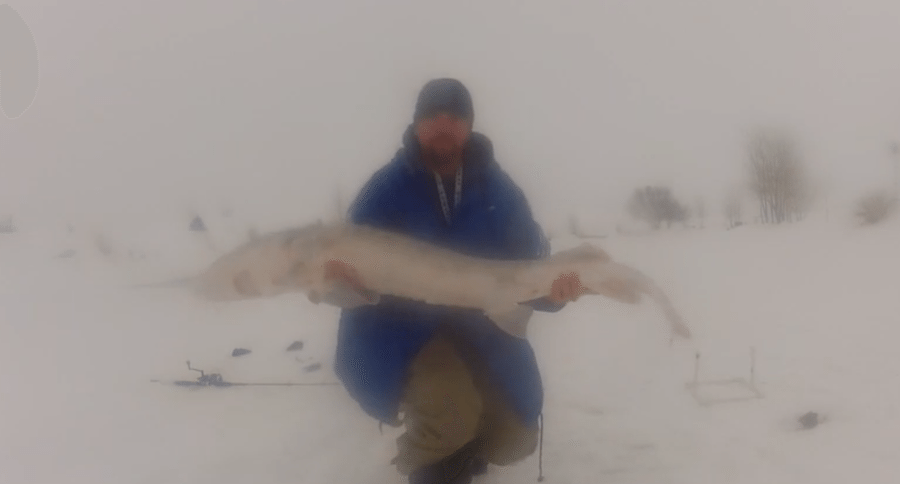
<point x="390" y="263"/>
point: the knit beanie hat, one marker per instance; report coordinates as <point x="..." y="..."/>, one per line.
<point x="447" y="95"/>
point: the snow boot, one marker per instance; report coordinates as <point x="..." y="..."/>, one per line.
<point x="458" y="468"/>
<point x="479" y="465"/>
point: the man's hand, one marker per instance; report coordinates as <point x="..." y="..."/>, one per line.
<point x="346" y="273"/>
<point x="566" y="287"/>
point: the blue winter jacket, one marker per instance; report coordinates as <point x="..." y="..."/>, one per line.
<point x="377" y="343"/>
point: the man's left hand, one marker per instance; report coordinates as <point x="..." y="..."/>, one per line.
<point x="566" y="287"/>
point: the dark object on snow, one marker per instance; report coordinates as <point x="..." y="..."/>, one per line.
<point x="197" y="225"/>
<point x="810" y="420"/>
<point x="239" y="352"/>
<point x="213" y="379"/>
<point x="66" y="254"/>
<point x="216" y="380"/>
<point x="295" y="346"/>
<point x="313" y="367"/>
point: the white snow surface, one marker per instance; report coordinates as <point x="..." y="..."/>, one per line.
<point x="818" y="302"/>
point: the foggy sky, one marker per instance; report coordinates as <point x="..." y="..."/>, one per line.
<point x="145" y="107"/>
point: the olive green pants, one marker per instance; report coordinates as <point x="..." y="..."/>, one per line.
<point x="447" y="405"/>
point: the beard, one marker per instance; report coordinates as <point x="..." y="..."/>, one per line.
<point x="442" y="153"/>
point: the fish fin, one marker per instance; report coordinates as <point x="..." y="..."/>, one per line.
<point x="679" y="328"/>
<point x="344" y="296"/>
<point x="584" y="252"/>
<point x="513" y="321"/>
<point x="676" y="322"/>
<point x="627" y="284"/>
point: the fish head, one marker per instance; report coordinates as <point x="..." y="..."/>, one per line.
<point x="305" y="250"/>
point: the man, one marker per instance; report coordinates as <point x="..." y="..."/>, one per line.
<point x="468" y="393"/>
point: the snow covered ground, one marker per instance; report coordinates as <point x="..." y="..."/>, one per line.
<point x="817" y="302"/>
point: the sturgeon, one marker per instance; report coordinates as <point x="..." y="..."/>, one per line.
<point x="390" y="263"/>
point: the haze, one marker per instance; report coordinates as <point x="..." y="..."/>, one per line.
<point x="165" y="106"/>
<point x="149" y="113"/>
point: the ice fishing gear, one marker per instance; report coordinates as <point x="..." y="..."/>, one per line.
<point x="216" y="380"/>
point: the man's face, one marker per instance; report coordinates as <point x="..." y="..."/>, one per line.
<point x="442" y="137"/>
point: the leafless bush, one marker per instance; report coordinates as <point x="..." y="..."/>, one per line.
<point x="104" y="245"/>
<point x="700" y="212"/>
<point x="8" y="226"/>
<point x="656" y="205"/>
<point x="875" y="207"/>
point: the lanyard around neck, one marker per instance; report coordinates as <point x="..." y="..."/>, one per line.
<point x="457" y="194"/>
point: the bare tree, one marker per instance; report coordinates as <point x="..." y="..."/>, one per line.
<point x="656" y="205"/>
<point x="777" y="177"/>
<point x="700" y="211"/>
<point x="734" y="211"/>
